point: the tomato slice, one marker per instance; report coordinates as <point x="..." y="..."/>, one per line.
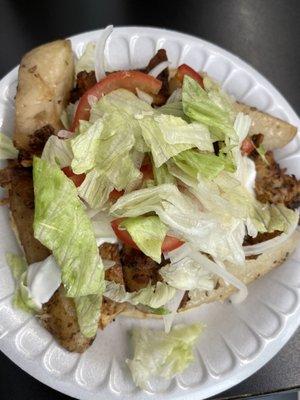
<point x="184" y="69"/>
<point x="76" y="178"/>
<point x="129" y="80"/>
<point x="170" y="243"/>
<point x="114" y="195"/>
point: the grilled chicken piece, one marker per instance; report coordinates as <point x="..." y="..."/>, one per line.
<point x="277" y="133"/>
<point x="110" y="309"/>
<point x="60" y="319"/>
<point x="273" y="185"/>
<point x="138" y="269"/>
<point x="18" y="181"/>
<point x="45" y="79"/>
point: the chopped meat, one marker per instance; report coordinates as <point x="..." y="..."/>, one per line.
<point x="261" y="237"/>
<point x="138" y="269"/>
<point x="110" y="309"/>
<point x="39" y="138"/>
<point x="58" y="316"/>
<point x="164" y="92"/>
<point x="257" y="139"/>
<point x="84" y="81"/>
<point x="109" y="251"/>
<point x="273" y="185"/>
<point x="18" y="181"/>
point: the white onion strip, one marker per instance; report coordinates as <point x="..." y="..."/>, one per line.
<point x="220" y="270"/>
<point x="64" y="134"/>
<point x="159" y="68"/>
<point x="146" y="97"/>
<point x="270" y="244"/>
<point x="172" y="306"/>
<point x="100" y="52"/>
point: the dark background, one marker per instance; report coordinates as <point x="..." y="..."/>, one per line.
<point x="265" y="33"/>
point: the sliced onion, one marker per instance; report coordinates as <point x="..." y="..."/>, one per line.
<point x="144" y="96"/>
<point x="64" y="134"/>
<point x="100" y="52"/>
<point x="260" y="248"/>
<point x="158" y="69"/>
<point x="172" y="306"/>
<point x="220" y="270"/>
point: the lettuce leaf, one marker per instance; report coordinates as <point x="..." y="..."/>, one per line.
<point x="148" y="232"/>
<point x="17" y="264"/>
<point x="62" y="225"/>
<point x="208" y="109"/>
<point x="154" y="296"/>
<point x="87" y="61"/>
<point x="7" y="148"/>
<point x="187" y="275"/>
<point x="120" y="100"/>
<point x="86" y="147"/>
<point x="161" y="150"/>
<point x="175" y="130"/>
<point x="88" y="310"/>
<point x="95" y="189"/>
<point x="197" y="164"/>
<point x="160" y="354"/>
<point x="58" y="152"/>
<point x="162" y="175"/>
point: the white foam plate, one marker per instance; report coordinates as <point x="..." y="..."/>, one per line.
<point x="238" y="339"/>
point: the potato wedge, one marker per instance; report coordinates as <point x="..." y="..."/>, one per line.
<point x="277" y="133"/>
<point x="45" y="79"/>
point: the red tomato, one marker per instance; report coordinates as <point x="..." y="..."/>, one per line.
<point x="170" y="243"/>
<point x="184" y="69"/>
<point x="77" y="179"/>
<point x="247" y="146"/>
<point x="115" y="195"/>
<point x="129" y="80"/>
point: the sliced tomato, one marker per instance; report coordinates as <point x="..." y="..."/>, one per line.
<point x="184" y="69"/>
<point x="247" y="146"/>
<point x="76" y="178"/>
<point x="129" y="80"/>
<point x="170" y="243"/>
<point x="121" y="234"/>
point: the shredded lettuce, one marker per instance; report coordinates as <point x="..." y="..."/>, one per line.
<point x="175" y="109"/>
<point x="148" y="232"/>
<point x="160" y="354"/>
<point x="175" y="130"/>
<point x="85" y="147"/>
<point x="61" y="224"/>
<point x="120" y="100"/>
<point x="87" y="61"/>
<point x="58" y="152"/>
<point x="154" y="296"/>
<point x="187" y="275"/>
<point x="162" y="175"/>
<point x="7" y="148"/>
<point x="197" y="164"/>
<point x="21" y="298"/>
<point x="161" y="150"/>
<point x="17" y="264"/>
<point x="205" y="108"/>
<point x="88" y="310"/>
<point x="95" y="189"/>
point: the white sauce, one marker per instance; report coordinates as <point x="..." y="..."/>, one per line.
<point x="43" y="279"/>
